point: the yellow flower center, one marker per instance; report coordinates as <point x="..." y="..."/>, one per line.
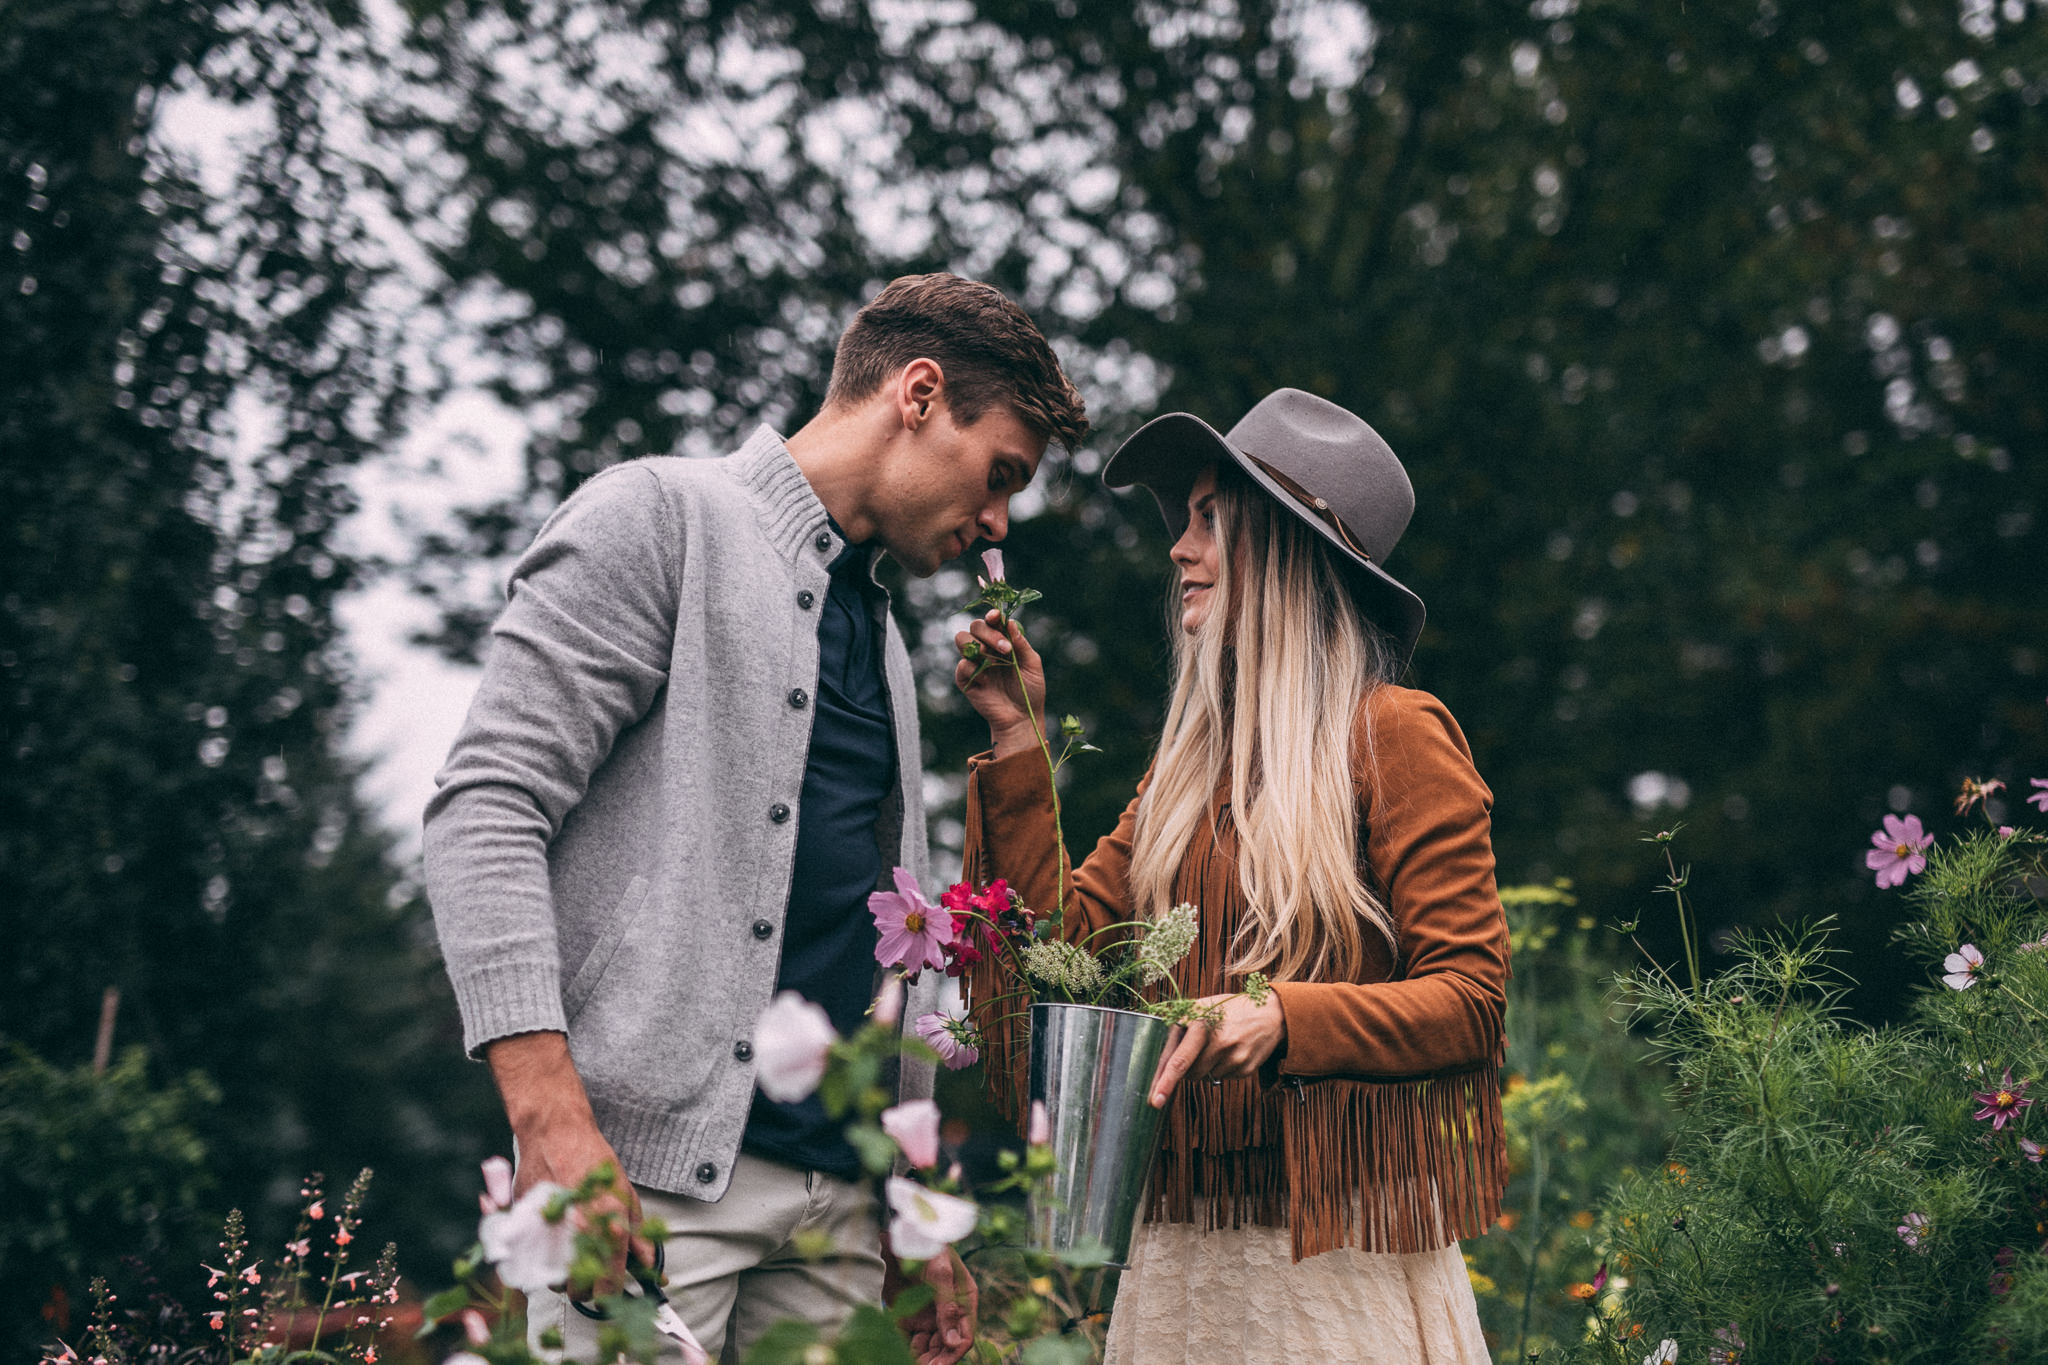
<point x="2005" y="1099"/>
<point x="914" y="921"/>
<point x="1903" y="851"/>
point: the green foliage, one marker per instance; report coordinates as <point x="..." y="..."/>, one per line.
<point x="1832" y="1190"/>
<point x="191" y="382"/>
<point x="92" y="1168"/>
<point x="1581" y="1108"/>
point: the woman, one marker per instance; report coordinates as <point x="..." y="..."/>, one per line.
<point x="1329" y="1139"/>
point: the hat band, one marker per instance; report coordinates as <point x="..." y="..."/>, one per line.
<point x="1314" y="505"/>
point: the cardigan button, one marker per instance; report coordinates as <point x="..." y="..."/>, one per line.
<point x="823" y="542"/>
<point x="763" y="929"/>
<point x="805" y="598"/>
<point x="778" y="812"/>
<point x="743" y="1050"/>
<point x="706" y="1173"/>
<point x="798" y="698"/>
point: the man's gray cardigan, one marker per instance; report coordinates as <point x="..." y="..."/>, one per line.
<point x="609" y="850"/>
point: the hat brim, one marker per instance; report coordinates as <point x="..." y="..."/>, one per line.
<point x="1168" y="453"/>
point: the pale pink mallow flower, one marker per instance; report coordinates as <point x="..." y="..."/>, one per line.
<point x="944" y="1032"/>
<point x="992" y="562"/>
<point x="530" y="1252"/>
<point x="792" y="1041"/>
<point x="1040" y="1131"/>
<point x="1961" y="966"/>
<point x="1898" y="850"/>
<point x="2038" y="797"/>
<point x="915" y="1127"/>
<point x="925" y="1222"/>
<point x="497" y="1183"/>
<point x="914" y="931"/>
<point x="889" y="1004"/>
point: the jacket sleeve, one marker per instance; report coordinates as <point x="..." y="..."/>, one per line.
<point x="577" y="656"/>
<point x="1010" y="835"/>
<point x="1429" y="847"/>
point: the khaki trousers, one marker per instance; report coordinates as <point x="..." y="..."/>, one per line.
<point x="734" y="1268"/>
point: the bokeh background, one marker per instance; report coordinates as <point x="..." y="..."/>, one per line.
<point x="1714" y="335"/>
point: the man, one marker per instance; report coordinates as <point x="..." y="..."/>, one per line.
<point x="693" y="754"/>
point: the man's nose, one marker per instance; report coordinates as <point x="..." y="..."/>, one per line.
<point x="995" y="521"/>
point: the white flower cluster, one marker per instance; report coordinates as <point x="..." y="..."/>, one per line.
<point x="1064" y="967"/>
<point x="1165" y="944"/>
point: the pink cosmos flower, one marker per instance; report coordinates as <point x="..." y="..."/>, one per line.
<point x="1913" y="1230"/>
<point x="925" y="1222"/>
<point x="949" y="1035"/>
<point x="915" y="1127"/>
<point x="2032" y="1151"/>
<point x="2039" y="796"/>
<point x="1961" y="967"/>
<point x="2004" y="1104"/>
<point x="1899" y="849"/>
<point x="992" y="561"/>
<point x="914" y="931"/>
<point x="792" y="1040"/>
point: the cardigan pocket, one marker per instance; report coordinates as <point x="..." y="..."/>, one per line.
<point x="584" y="984"/>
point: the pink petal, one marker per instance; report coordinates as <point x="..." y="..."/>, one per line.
<point x="915" y="1128"/>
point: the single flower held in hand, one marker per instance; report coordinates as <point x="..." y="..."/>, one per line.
<point x="992" y="562"/>
<point x="791" y="1041"/>
<point x="925" y="1222"/>
<point x="914" y="931"/>
<point x="1898" y="850"/>
<point x="915" y="1127"/>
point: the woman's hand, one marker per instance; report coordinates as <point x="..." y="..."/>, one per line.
<point x="991" y="684"/>
<point x="1237" y="1046"/>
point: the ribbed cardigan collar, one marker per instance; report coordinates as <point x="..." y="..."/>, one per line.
<point x="791" y="515"/>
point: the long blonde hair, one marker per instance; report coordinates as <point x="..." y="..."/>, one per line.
<point x="1266" y="697"/>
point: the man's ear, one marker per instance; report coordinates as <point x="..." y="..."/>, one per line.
<point x="920" y="388"/>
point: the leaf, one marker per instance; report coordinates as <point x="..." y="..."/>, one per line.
<point x="1060" y="1350"/>
<point x="876" y="1149"/>
<point x="783" y="1344"/>
<point x="872" y="1337"/>
<point x="912" y="1301"/>
<point x="445" y="1304"/>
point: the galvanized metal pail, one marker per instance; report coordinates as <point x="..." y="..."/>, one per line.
<point x="1093" y="1069"/>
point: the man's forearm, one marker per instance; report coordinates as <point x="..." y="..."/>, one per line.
<point x="537" y="1080"/>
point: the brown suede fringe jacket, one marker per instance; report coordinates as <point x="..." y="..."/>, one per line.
<point x="1378" y="1123"/>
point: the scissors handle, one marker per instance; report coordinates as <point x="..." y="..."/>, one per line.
<point x="648" y="1279"/>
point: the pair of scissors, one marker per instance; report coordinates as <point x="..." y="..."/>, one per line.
<point x="667" y="1321"/>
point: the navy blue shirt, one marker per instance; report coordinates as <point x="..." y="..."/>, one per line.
<point x="829" y="937"/>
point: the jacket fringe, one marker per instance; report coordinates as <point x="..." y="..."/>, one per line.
<point x="1400" y="1166"/>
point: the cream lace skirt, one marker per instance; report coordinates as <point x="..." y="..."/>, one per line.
<point x="1192" y="1297"/>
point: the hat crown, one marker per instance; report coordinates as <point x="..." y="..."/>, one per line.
<point x="1336" y="456"/>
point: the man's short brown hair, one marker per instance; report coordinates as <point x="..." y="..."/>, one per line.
<point x="990" y="350"/>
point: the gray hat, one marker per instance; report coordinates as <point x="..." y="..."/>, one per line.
<point x="1318" y="461"/>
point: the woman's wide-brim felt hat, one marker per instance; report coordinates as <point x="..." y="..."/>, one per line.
<point x="1348" y="486"/>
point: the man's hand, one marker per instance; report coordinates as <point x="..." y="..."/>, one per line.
<point x="1246" y="1037"/>
<point x="558" y="1138"/>
<point x="995" y="689"/>
<point x="942" y="1331"/>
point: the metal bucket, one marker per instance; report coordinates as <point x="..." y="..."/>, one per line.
<point x="1093" y="1069"/>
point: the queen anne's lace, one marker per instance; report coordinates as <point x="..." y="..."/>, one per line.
<point x="1064" y="967"/>
<point x="1165" y="944"/>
